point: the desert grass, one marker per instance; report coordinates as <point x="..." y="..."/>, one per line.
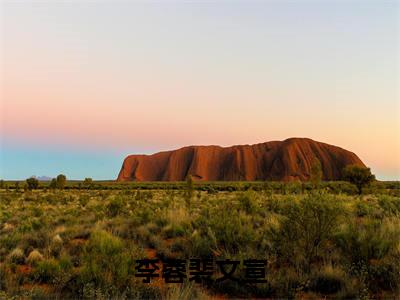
<point x="83" y="243"/>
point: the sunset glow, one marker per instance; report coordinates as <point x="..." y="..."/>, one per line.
<point x="84" y="84"/>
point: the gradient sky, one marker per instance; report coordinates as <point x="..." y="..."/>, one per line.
<point x="84" y="83"/>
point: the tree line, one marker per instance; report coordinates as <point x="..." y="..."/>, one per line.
<point x="359" y="176"/>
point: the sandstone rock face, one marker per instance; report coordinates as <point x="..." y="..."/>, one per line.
<point x="278" y="160"/>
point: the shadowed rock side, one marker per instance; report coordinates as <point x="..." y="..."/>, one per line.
<point x="278" y="160"/>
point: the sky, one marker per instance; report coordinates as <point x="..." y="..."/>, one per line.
<point x="85" y="83"/>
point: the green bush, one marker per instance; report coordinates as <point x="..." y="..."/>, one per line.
<point x="361" y="243"/>
<point x="390" y="205"/>
<point x="56" y="245"/>
<point x="359" y="176"/>
<point x="32" y="183"/>
<point x="46" y="271"/>
<point x="226" y="228"/>
<point x="34" y="258"/>
<point x="60" y="181"/>
<point x="370" y="208"/>
<point x="175" y="230"/>
<point x="247" y="201"/>
<point x="106" y="262"/>
<point x="370" y="252"/>
<point x="306" y="229"/>
<point x="84" y="200"/>
<point x="17" y="256"/>
<point x="115" y="207"/>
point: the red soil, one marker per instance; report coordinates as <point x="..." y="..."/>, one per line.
<point x="24" y="269"/>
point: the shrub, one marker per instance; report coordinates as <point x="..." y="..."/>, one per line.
<point x="84" y="200"/>
<point x="361" y="243"/>
<point x="88" y="182"/>
<point x="390" y="205"/>
<point x="307" y="228"/>
<point x="37" y="239"/>
<point x="61" y="180"/>
<point x="106" y="262"/>
<point x="46" y="271"/>
<point x="115" y="207"/>
<point x="75" y="249"/>
<point x="225" y="228"/>
<point x="56" y="245"/>
<point x="370" y="208"/>
<point x="34" y="257"/>
<point x="247" y="201"/>
<point x="370" y="253"/>
<point x="173" y="230"/>
<point x="17" y="256"/>
<point x="202" y="244"/>
<point x="359" y="176"/>
<point x="53" y="184"/>
<point x="32" y="183"/>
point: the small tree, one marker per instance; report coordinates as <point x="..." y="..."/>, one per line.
<point x="316" y="172"/>
<point x="88" y="182"/>
<point x="53" y="184"/>
<point x="61" y="181"/>
<point x="32" y="183"/>
<point x="359" y="176"/>
<point x="2" y="185"/>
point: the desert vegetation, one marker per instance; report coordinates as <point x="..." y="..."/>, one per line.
<point x="82" y="239"/>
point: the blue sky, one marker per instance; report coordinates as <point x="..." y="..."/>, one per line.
<point x="88" y="82"/>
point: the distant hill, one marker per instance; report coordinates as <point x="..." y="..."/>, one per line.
<point x="286" y="160"/>
<point x="42" y="178"/>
